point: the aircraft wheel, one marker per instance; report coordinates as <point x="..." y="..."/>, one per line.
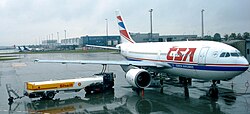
<point x="50" y="95"/>
<point x="213" y="92"/>
<point x="189" y="81"/>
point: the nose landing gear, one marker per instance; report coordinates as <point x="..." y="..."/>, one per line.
<point x="213" y="91"/>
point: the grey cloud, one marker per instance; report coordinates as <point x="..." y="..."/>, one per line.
<point x="31" y="19"/>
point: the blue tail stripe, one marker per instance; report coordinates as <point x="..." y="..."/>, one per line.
<point x="121" y="24"/>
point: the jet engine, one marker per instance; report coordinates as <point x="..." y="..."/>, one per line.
<point x="139" y="78"/>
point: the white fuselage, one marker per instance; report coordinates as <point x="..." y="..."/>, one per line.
<point x="191" y="59"/>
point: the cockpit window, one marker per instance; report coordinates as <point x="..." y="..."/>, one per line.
<point x="239" y="54"/>
<point x="227" y="55"/>
<point x="234" y="54"/>
<point x="222" y="54"/>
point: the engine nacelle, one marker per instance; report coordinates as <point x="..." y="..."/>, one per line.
<point x="139" y="78"/>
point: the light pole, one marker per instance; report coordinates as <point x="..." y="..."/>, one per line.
<point x="107" y="31"/>
<point x="65" y="37"/>
<point x="202" y="24"/>
<point x="65" y="33"/>
<point x="151" y="26"/>
<point x="58" y="37"/>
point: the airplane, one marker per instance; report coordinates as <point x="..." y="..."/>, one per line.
<point x="23" y="49"/>
<point x="204" y="60"/>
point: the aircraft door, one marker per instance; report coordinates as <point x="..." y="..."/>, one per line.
<point x="202" y="55"/>
<point x="158" y="55"/>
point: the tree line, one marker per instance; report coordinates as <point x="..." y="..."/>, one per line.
<point x="232" y="36"/>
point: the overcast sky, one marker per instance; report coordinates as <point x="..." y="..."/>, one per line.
<point x="27" y="21"/>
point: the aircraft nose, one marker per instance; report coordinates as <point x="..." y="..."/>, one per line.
<point x="243" y="61"/>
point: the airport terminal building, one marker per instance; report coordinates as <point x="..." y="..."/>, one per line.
<point x="113" y="40"/>
<point x="138" y="37"/>
<point x="99" y="40"/>
<point x="156" y="37"/>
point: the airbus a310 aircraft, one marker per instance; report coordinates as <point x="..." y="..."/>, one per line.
<point x="205" y="60"/>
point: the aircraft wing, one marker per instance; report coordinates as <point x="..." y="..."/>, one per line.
<point x="103" y="62"/>
<point x="103" y="47"/>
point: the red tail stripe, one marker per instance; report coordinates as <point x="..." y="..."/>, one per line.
<point x="119" y="17"/>
<point x="125" y="35"/>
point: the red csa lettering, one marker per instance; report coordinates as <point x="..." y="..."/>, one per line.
<point x="190" y="53"/>
<point x="180" y="56"/>
<point x="169" y="57"/>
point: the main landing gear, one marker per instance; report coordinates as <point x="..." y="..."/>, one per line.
<point x="213" y="91"/>
<point x="185" y="82"/>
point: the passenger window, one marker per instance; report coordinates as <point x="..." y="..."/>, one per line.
<point x="227" y="55"/>
<point x="222" y="54"/>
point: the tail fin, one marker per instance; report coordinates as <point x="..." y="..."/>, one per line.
<point x="125" y="36"/>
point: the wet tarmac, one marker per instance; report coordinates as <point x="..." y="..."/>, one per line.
<point x="234" y="95"/>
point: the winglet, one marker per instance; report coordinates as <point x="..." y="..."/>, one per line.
<point x="125" y="36"/>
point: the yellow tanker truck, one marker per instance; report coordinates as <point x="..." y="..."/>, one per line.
<point x="48" y="89"/>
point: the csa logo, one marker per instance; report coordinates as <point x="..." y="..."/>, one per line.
<point x="181" y="54"/>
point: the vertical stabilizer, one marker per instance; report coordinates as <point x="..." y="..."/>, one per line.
<point x="125" y="36"/>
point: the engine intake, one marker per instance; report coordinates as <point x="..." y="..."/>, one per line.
<point x="139" y="78"/>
